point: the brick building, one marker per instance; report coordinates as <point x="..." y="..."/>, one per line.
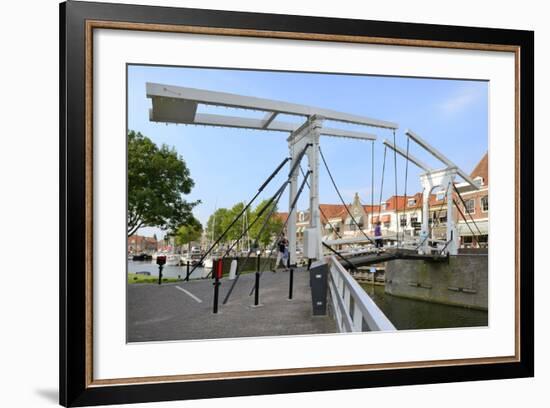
<point x="403" y="215"/>
<point x="138" y="245"/>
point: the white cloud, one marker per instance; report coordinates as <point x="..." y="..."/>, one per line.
<point x="464" y="98"/>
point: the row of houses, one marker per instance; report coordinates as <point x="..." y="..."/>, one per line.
<point x="138" y="244"/>
<point x="403" y="214"/>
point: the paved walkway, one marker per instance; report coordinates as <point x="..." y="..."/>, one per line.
<point x="183" y="311"/>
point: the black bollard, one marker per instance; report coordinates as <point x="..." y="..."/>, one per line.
<point x="257" y="283"/>
<point x="291" y="283"/>
<point x="160" y="274"/>
<point x="187" y="273"/>
<point x="216" y="269"/>
<point x="257" y="289"/>
<point x="161" y="260"/>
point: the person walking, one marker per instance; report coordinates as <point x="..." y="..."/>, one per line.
<point x="282" y="252"/>
<point x="378" y="236"/>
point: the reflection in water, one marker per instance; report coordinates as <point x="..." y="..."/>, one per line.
<point x="416" y="314"/>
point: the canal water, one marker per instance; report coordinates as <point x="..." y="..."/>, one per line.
<point x="167" y="272"/>
<point x="415" y="314"/>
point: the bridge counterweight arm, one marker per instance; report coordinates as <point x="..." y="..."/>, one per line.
<point x="438" y="155"/>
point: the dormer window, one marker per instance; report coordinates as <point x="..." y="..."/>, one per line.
<point x="478" y="181"/>
<point x="384" y="206"/>
<point x="411" y="202"/>
<point x="440" y="196"/>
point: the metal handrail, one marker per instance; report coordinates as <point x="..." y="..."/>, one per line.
<point x="343" y="287"/>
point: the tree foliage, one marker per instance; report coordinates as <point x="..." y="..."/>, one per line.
<point x="189" y="232"/>
<point x="223" y="217"/>
<point x="273" y="227"/>
<point x="157" y="180"/>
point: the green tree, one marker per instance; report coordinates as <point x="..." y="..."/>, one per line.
<point x="223" y="217"/>
<point x="157" y="180"/>
<point x="188" y="233"/>
<point x="217" y="223"/>
<point x="273" y="227"/>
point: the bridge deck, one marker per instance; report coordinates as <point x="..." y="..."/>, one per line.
<point x="173" y="311"/>
<point x="392" y="254"/>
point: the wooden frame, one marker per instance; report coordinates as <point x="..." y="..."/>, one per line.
<point x="77" y="22"/>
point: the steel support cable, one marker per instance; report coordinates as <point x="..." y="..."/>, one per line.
<point x="464" y="204"/>
<point x="466" y="221"/>
<point x="372" y="181"/>
<point x="406" y="180"/>
<point x="382" y="181"/>
<point x="245" y="208"/>
<point x="290" y="210"/>
<point x="346" y="260"/>
<point x="298" y="160"/>
<point x="278" y="193"/>
<point x="266" y="220"/>
<point x="396" y="196"/>
<point x="260" y="213"/>
<point x="320" y="209"/>
<point x="258" y="235"/>
<point x="341" y="198"/>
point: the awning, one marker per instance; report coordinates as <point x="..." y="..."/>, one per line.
<point x="386" y="218"/>
<point x="463" y="229"/>
<point x="375" y="219"/>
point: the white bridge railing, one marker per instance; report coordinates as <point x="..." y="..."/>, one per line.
<point x="354" y="310"/>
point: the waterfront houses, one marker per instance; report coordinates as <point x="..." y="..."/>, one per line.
<point x="403" y="214"/>
<point x="138" y="245"/>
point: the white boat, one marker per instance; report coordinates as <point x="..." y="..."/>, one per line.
<point x="194" y="257"/>
<point x="171" y="259"/>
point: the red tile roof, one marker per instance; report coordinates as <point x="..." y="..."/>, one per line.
<point x="482" y="169"/>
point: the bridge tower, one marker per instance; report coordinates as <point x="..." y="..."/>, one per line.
<point x="308" y="134"/>
<point x="432" y="179"/>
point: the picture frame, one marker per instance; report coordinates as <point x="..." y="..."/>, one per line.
<point x="78" y="20"/>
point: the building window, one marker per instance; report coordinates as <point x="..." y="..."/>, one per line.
<point x="467" y="241"/>
<point x="384" y="206"/>
<point x="301" y="216"/>
<point x="411" y="202"/>
<point x="403" y="220"/>
<point x="440" y="196"/>
<point x="485" y="203"/>
<point x="469" y="206"/>
<point x="478" y="181"/>
<point x="483" y="241"/>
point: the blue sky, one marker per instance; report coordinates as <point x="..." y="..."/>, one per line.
<point x="228" y="165"/>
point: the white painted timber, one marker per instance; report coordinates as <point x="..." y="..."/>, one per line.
<point x="201" y="96"/>
<point x="343" y="287"/>
<point x="438" y="155"/>
<point x="408" y="156"/>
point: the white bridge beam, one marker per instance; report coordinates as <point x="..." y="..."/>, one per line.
<point x="408" y="156"/>
<point x="438" y="155"/>
<point x="189" y="98"/>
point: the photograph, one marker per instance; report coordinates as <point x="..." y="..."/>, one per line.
<point x="255" y="203"/>
<point x="291" y="203"/>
